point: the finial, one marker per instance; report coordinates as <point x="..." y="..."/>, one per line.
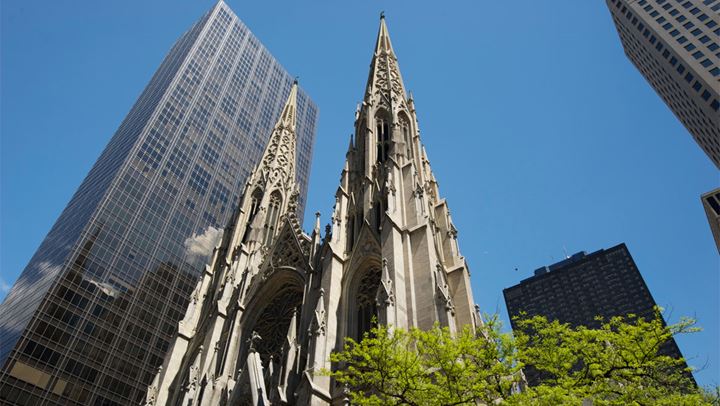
<point x="254" y="338"/>
<point x="297" y="78"/>
<point x="382" y="15"/>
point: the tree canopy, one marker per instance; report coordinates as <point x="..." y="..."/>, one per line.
<point x="620" y="363"/>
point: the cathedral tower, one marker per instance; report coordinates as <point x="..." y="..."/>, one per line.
<point x="275" y="302"/>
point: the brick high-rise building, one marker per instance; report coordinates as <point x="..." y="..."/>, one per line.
<point x="583" y="286"/>
<point x="91" y="317"/>
<point x="676" y="45"/>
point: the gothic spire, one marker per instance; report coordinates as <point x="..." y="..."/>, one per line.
<point x="385" y="86"/>
<point x="278" y="162"/>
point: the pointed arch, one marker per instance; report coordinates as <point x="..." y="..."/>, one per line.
<point x="255" y="199"/>
<point x="273" y="213"/>
<point x="360" y="286"/>
<point x="366" y="307"/>
<point x="407" y="133"/>
<point x="269" y="311"/>
<point x="382" y="134"/>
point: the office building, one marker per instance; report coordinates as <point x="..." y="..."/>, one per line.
<point x="676" y="46"/>
<point x="711" y="203"/>
<point x="92" y="315"/>
<point x="581" y="287"/>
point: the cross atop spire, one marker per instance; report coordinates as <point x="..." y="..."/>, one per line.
<point x="383" y="43"/>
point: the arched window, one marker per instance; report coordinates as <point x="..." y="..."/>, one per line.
<point x="407" y="136"/>
<point x="366" y="311"/>
<point x="272" y="217"/>
<point x="272" y="322"/>
<point x="255" y="199"/>
<point x="383" y="138"/>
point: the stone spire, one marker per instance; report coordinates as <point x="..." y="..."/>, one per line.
<point x="385" y="86"/>
<point x="383" y="43"/>
<point x="270" y="191"/>
<point x="278" y="161"/>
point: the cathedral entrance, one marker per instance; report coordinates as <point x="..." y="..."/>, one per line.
<point x="273" y="323"/>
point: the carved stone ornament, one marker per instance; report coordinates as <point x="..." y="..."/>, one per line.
<point x="385" y="296"/>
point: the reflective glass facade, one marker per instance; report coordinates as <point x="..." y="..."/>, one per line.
<point x="90" y="318"/>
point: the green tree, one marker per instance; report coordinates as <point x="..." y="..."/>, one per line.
<point x="616" y="364"/>
<point x="619" y="363"/>
<point x="416" y="367"/>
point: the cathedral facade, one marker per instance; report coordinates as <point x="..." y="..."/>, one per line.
<point x="274" y="302"/>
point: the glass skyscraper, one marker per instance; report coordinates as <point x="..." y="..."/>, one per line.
<point x="90" y="318"/>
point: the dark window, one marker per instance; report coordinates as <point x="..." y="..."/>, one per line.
<point x="697" y="86"/>
<point x="715" y="71"/>
<point x="383" y="139"/>
<point x="705" y="95"/>
<point x="272" y="217"/>
<point x="706" y="63"/>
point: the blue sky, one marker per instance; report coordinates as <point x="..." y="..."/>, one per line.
<point x="543" y="136"/>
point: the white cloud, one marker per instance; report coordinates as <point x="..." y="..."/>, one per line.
<point x="4" y="286"/>
<point x="106" y="288"/>
<point x="201" y="246"/>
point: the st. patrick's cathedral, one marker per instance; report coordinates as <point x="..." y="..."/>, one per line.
<point x="274" y="302"/>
